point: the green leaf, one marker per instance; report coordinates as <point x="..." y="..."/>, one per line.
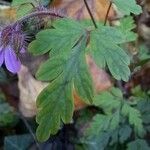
<point x="124" y="133"/>
<point x="83" y="81"/>
<point x="21" y="2"/>
<point x="115" y="120"/>
<point x="55" y="103"/>
<point x="116" y="92"/>
<point x="24" y="10"/>
<point x="128" y="6"/>
<point x="102" y="123"/>
<point x="107" y="101"/>
<point x="138" y="145"/>
<point x="98" y="142"/>
<point x="62" y="38"/>
<point x="125" y="27"/>
<point x="144" y="55"/>
<point x="18" y="142"/>
<point x="114" y="138"/>
<point x="23" y="7"/>
<point x="105" y="51"/>
<point x="134" y="117"/>
<point x="51" y="69"/>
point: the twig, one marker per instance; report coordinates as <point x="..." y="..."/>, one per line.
<point x="90" y="13"/>
<point x="108" y="10"/>
<point x="30" y="130"/>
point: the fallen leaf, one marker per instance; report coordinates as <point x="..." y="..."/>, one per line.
<point x="29" y="89"/>
<point x="76" y="8"/>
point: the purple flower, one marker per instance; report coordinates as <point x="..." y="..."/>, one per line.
<point x="8" y="56"/>
<point x="12" y="43"/>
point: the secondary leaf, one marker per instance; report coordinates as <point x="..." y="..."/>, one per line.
<point x="125" y="27"/>
<point x="21" y="2"/>
<point x="103" y="123"/>
<point x="24" y="10"/>
<point x="98" y="142"/>
<point x="107" y="101"/>
<point x="124" y="133"/>
<point x="138" y="144"/>
<point x="105" y="51"/>
<point x="128" y="6"/>
<point x="134" y="117"/>
<point x="23" y="7"/>
<point x="100" y="123"/>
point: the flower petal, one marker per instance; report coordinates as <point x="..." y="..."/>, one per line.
<point x="0" y="42"/>
<point x="1" y="57"/>
<point x="11" y="61"/>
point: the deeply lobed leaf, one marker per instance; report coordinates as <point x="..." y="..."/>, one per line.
<point x="67" y="69"/>
<point x="55" y="103"/>
<point x="128" y="6"/>
<point x="105" y="51"/>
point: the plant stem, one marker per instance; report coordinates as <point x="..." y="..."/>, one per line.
<point x="108" y="10"/>
<point x="29" y="129"/>
<point x="51" y="13"/>
<point x="90" y="13"/>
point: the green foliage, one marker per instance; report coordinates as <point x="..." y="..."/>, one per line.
<point x="126" y="25"/>
<point x="54" y="104"/>
<point x="18" y="142"/>
<point x="124" y="133"/>
<point x="21" y="2"/>
<point x="138" y="144"/>
<point x="24" y="9"/>
<point x="134" y="117"/>
<point x="128" y="6"/>
<point x="96" y="143"/>
<point x="67" y="68"/>
<point x="108" y="101"/>
<point x="119" y="121"/>
<point x="68" y="42"/>
<point x="71" y="70"/>
<point x="103" y="123"/>
<point x="143" y="55"/>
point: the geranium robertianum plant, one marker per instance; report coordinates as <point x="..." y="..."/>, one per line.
<point x="68" y="42"/>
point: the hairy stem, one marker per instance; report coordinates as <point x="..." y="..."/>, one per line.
<point x="108" y="10"/>
<point x="90" y="13"/>
<point x="40" y="13"/>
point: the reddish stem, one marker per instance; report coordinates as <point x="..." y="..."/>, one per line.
<point x="108" y="10"/>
